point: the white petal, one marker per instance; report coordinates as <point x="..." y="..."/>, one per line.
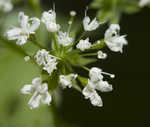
<point x="113" y="40"/>
<point x="34" y="102"/>
<point x="49" y="19"/>
<point x="36" y="81"/>
<point x="95" y="74"/>
<point x="46" y="98"/>
<point x="21" y="40"/>
<point x="83" y="44"/>
<point x="86" y="21"/>
<point x="34" y="25"/>
<point x="64" y="82"/>
<point x="64" y="39"/>
<point x="27" y="89"/>
<point x="103" y="86"/>
<point x="52" y="27"/>
<point x="13" y="34"/>
<point x="96" y="100"/>
<point x="23" y="19"/>
<point x="44" y="88"/>
<point x="90" y="26"/>
<point x="87" y="92"/>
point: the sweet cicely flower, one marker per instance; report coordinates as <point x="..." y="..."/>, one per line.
<point x="64" y="39"/>
<point x="48" y="61"/>
<point x="113" y="40"/>
<point x="6" y="5"/>
<point x="90" y="25"/>
<point x="39" y="91"/>
<point x="84" y="44"/>
<point x="66" y="80"/>
<point x="96" y="74"/>
<point x="90" y="93"/>
<point x="49" y="19"/>
<point x="96" y="83"/>
<point x="144" y="2"/>
<point x="26" y="28"/>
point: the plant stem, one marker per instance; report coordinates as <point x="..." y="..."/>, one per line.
<point x="55" y="41"/>
<point x="89" y="54"/>
<point x="82" y="35"/>
<point x="87" y="69"/>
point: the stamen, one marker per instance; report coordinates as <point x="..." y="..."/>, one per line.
<point x="54" y="6"/>
<point x="111" y="75"/>
<point x="86" y="11"/>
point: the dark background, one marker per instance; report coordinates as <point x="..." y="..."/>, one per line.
<point x="128" y="105"/>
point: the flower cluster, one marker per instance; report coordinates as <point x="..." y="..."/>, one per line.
<point x="65" y="53"/>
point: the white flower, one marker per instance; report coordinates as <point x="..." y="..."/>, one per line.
<point x="27" y="58"/>
<point x="48" y="61"/>
<point x="49" y="19"/>
<point x="66" y="80"/>
<point x="113" y="40"/>
<point x="95" y="74"/>
<point x="64" y="39"/>
<point x="90" y="26"/>
<point x="73" y="13"/>
<point x="143" y="2"/>
<point x="101" y="55"/>
<point x="6" y="5"/>
<point x="39" y="91"/>
<point x="84" y="44"/>
<point x="26" y="28"/>
<point x="51" y="65"/>
<point x="90" y="93"/>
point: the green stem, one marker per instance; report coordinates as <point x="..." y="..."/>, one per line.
<point x="89" y="54"/>
<point x="55" y="41"/>
<point x="70" y="25"/>
<point x="82" y="35"/>
<point x="87" y="69"/>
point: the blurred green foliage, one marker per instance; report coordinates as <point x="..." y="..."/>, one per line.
<point x="111" y="10"/>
